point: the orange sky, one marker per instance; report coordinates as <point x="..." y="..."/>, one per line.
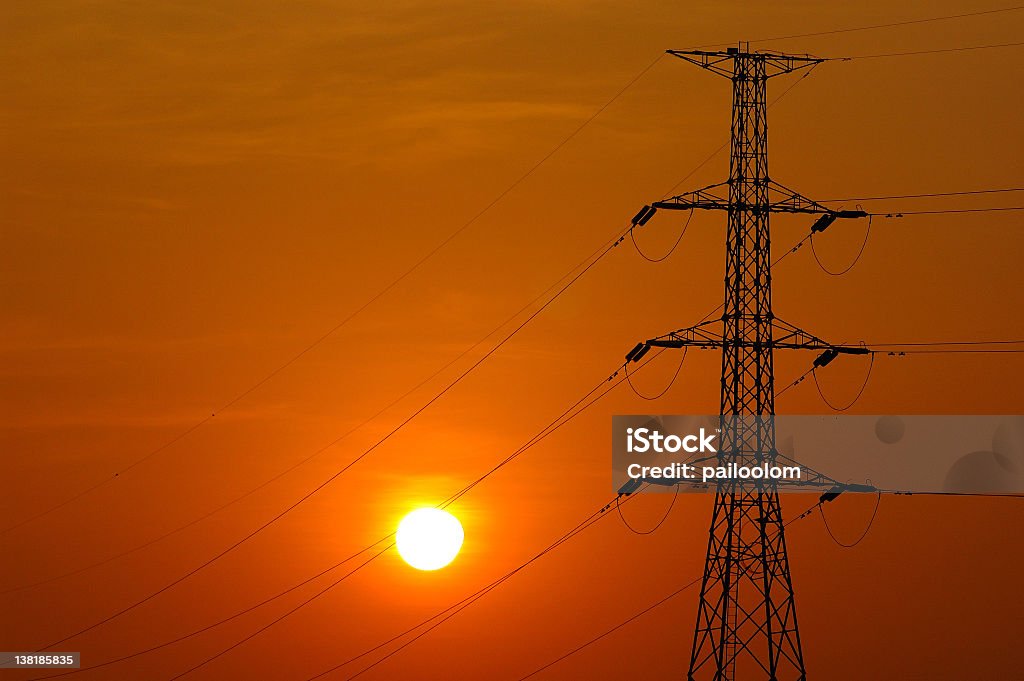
<point x="193" y="192"/>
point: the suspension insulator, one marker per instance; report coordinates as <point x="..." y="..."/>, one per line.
<point x="826" y="357"/>
<point x="822" y="223"/>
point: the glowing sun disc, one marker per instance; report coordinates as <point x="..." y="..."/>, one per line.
<point x="429" y="538"/>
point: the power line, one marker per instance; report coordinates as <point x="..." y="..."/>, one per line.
<point x="654" y="528"/>
<point x="908" y="493"/>
<point x="934" y="343"/>
<point x="873" y="353"/>
<point x="901" y="213"/>
<point x="339" y="325"/>
<point x="611" y="631"/>
<point x="925" y="196"/>
<point x="863" y="535"/>
<point x="937" y="51"/>
<point x="799" y="379"/>
<point x="564" y="418"/>
<point x="282" y="616"/>
<point x="955" y="351"/>
<point x="939" y="347"/>
<point x="671" y="250"/>
<point x="873" y="27"/>
<point x="671" y="382"/>
<point x="856" y="258"/>
<point x="349" y="465"/>
<point x="333" y="443"/>
<point x="856" y="398"/>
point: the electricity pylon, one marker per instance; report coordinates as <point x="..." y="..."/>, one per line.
<point x="746" y="620"/>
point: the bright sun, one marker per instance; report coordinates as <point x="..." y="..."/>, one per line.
<point x="429" y="538"/>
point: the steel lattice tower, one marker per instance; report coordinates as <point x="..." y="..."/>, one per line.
<point x="746" y="601"/>
<point x="746" y="620"/>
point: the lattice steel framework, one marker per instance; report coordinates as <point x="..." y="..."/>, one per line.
<point x="746" y="598"/>
<point x="746" y="620"/>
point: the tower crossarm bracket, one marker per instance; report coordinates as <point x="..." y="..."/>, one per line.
<point x="789" y="337"/>
<point x="781" y="199"/>
<point x="720" y="61"/>
<point x="712" y="197"/>
<point x="701" y="335"/>
<point x="785" y="336"/>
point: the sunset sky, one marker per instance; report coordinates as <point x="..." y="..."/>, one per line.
<point x="193" y="193"/>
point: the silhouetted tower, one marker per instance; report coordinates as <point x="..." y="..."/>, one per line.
<point x="746" y="620"/>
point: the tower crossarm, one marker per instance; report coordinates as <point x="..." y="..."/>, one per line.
<point x="702" y="335"/>
<point x="789" y="337"/>
<point x="720" y="61"/>
<point x="781" y="199"/>
<point x="712" y="197"/>
<point x="785" y="336"/>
